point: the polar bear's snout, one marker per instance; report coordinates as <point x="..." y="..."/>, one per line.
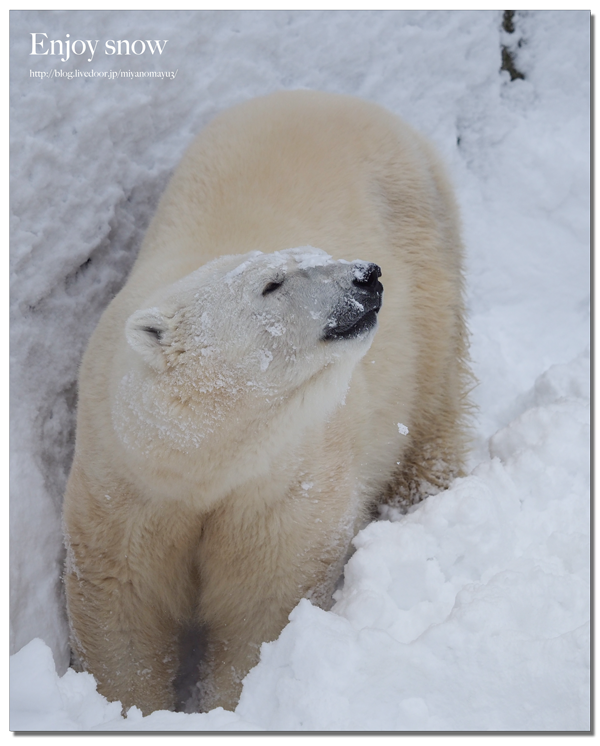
<point x="366" y="276"/>
<point x="356" y="313"/>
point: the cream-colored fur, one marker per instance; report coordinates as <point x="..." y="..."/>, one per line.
<point x="218" y="479"/>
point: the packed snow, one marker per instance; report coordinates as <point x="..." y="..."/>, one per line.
<point x="471" y="611"/>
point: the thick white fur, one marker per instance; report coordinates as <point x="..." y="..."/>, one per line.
<point x="221" y="470"/>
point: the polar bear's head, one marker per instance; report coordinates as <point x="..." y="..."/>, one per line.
<point x="283" y="311"/>
<point x="249" y="341"/>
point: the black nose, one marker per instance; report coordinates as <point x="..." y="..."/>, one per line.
<point x="366" y="276"/>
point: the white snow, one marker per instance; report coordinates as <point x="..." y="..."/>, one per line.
<point x="471" y="612"/>
<point x="266" y="356"/>
<point x="361" y="269"/>
<point x="308" y="256"/>
<point x="243" y="266"/>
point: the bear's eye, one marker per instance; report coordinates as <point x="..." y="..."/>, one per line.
<point x="271" y="286"/>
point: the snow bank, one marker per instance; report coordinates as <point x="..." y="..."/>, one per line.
<point x="479" y="596"/>
<point x="470" y="612"/>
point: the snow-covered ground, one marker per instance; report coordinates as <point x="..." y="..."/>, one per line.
<point x="472" y="611"/>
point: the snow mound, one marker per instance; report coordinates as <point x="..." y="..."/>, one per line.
<point x="480" y="595"/>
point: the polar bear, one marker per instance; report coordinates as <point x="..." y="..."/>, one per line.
<point x="252" y="392"/>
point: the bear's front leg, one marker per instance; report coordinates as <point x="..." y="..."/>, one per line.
<point x="255" y="565"/>
<point x="119" y="637"/>
<point x="131" y="590"/>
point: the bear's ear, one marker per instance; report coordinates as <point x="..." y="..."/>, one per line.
<point x="147" y="332"/>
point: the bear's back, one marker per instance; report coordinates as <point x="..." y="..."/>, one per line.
<point x="301" y="168"/>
